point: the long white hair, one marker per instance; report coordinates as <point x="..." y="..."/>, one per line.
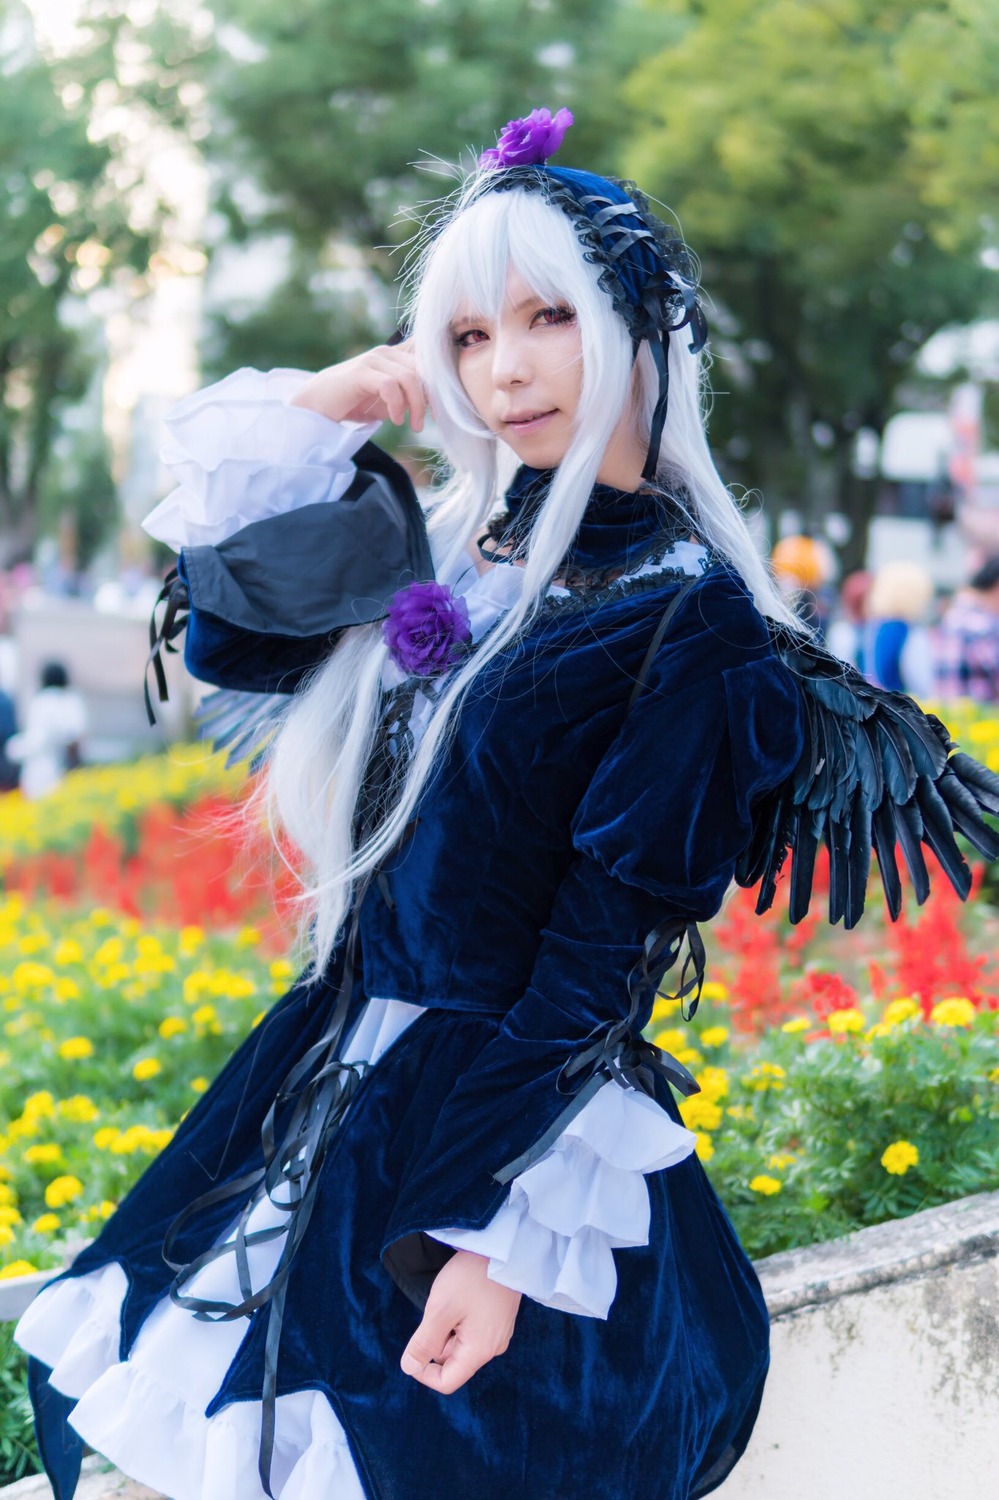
<point x="318" y="759"/>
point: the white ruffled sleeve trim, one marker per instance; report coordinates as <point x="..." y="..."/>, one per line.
<point x="240" y="452"/>
<point x="553" y="1239"/>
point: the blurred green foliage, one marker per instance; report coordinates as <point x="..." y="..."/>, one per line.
<point x="836" y="167"/>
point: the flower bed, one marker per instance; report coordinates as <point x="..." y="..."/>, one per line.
<point x="110" y="1030"/>
<point x="162" y="839"/>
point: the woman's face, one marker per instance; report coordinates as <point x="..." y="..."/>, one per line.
<point x="523" y="372"/>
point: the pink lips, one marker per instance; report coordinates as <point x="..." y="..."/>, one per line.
<point x="528" y="424"/>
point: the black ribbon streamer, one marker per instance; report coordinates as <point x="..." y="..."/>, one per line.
<point x="174" y="594"/>
<point x="618" y="1052"/>
<point x="320" y="1087"/>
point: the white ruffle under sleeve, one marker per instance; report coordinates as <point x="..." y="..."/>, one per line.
<point x="554" y="1236"/>
<point x="240" y="452"/>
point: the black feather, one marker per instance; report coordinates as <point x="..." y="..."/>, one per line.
<point x="873" y="777"/>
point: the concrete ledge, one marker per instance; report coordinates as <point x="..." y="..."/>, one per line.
<point x="98" y="1481"/>
<point x="895" y="1251"/>
<point x="884" y="1379"/>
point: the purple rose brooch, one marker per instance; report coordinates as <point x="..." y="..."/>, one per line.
<point x="528" y="142"/>
<point x="427" y="630"/>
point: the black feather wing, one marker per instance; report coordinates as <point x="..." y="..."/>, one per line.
<point x="241" y="724"/>
<point x="876" y="774"/>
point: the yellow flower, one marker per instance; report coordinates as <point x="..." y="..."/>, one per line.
<point x="172" y="1026"/>
<point x="766" y="1075"/>
<point x="249" y="937"/>
<point x="689" y="1057"/>
<point x="714" y="1036"/>
<point x="714" y="991"/>
<point x="672" y="1039"/>
<point x="766" y="1185"/>
<point x="781" y="1160"/>
<point x="65" y="989"/>
<point x="47" y="1223"/>
<point x="901" y="1010"/>
<point x="199" y="1085"/>
<point x="148" y="945"/>
<point x="899" y="1157"/>
<point x="663" y="1008"/>
<point x="28" y="977"/>
<point x="40" y="1106"/>
<point x="6" y="1235"/>
<point x="79" y="1109"/>
<point x="147" y="1067"/>
<point x="154" y="963"/>
<point x="105" y="1138"/>
<point x="842" y="1021"/>
<point x="75" y="1048"/>
<point x="740" y="1111"/>
<point x="110" y="951"/>
<point x="281" y="969"/>
<point x="98" y="1211"/>
<point x="68" y="951"/>
<point x="7" y="1195"/>
<point x="62" y="1190"/>
<point x="43" y="1155"/>
<point x="796" y="1024"/>
<point x="704" y="1148"/>
<point x="257" y="1019"/>
<point x="714" y="1083"/>
<point x="954" y="1011"/>
<point x="190" y="939"/>
<point x="33" y="942"/>
<point x="195" y="985"/>
<point x="9" y="1214"/>
<point x="880" y="1028"/>
<point x="17" y="1268"/>
<point x="698" y="1113"/>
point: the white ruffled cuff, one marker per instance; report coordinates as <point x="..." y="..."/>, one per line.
<point x="585" y="1197"/>
<point x="241" y="453"/>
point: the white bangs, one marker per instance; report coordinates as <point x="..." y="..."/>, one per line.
<point x="464" y="273"/>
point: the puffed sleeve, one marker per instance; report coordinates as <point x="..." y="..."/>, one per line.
<point x="656" y="837"/>
<point x="240" y="452"/>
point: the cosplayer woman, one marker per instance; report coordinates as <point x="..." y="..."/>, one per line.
<point x="438" y="1223"/>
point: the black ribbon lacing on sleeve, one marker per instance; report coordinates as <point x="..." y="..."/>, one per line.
<point x="616" y="1050"/>
<point x="319" y="1089"/>
<point x="175" y="595"/>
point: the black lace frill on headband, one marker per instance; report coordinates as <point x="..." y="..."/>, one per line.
<point x="644" y="266"/>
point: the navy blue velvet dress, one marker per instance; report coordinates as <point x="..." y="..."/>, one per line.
<point x="556" y="833"/>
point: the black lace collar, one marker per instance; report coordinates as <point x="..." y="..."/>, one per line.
<point x="620" y="529"/>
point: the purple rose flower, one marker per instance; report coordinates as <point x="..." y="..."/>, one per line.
<point x="528" y="142"/>
<point x="427" y="629"/>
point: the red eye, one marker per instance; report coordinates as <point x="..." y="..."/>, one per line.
<point x="552" y="316"/>
<point x="469" y="337"/>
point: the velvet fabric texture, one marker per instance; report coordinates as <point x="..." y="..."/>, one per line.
<point x="555" y="834"/>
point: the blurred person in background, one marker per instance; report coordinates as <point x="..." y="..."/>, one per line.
<point x="8" y="726"/>
<point x="54" y="726"/>
<point x="802" y="567"/>
<point x="845" y="635"/>
<point x="965" y="643"/>
<point x="896" y="643"/>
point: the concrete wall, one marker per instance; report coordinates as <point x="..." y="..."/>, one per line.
<point x="884" y="1382"/>
<point x="105" y="655"/>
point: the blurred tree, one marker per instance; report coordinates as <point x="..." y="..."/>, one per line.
<point x="325" y="109"/>
<point x="836" y="167"/>
<point x="75" y="216"/>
